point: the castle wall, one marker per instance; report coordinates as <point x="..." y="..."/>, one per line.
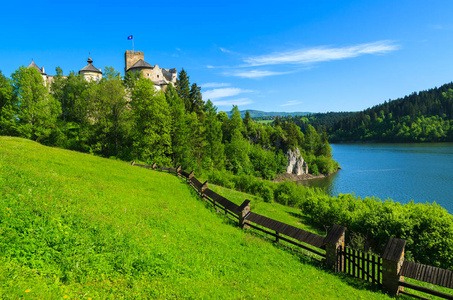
<point x="92" y="76"/>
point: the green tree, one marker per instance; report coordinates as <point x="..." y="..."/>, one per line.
<point x="312" y="140"/>
<point x="183" y="88"/>
<point x="33" y="110"/>
<point x="180" y="131"/>
<point x="237" y="148"/>
<point x="196" y="100"/>
<point x="152" y="123"/>
<point x="6" y="94"/>
<point x="197" y="143"/>
<point x="249" y="126"/>
<point x="68" y="91"/>
<point x="109" y="116"/>
<point x="131" y="78"/>
<point x="215" y="149"/>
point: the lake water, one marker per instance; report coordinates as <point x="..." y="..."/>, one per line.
<point x="402" y="172"/>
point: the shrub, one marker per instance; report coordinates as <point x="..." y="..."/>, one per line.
<point x="267" y="194"/>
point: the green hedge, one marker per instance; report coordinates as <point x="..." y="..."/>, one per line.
<point x="428" y="228"/>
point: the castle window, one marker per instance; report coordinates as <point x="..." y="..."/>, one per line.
<point x="157" y="76"/>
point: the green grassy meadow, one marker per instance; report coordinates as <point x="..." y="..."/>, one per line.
<point x="264" y="121"/>
<point x="76" y="226"/>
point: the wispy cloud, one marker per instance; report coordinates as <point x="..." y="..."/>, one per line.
<point x="290" y="103"/>
<point x="225" y="50"/>
<point x="320" y="54"/>
<point x="253" y="73"/>
<point x="441" y="26"/>
<point x="436" y="26"/>
<point x="287" y="62"/>
<point x="216" y="94"/>
<point x="214" y="85"/>
<point x="239" y="101"/>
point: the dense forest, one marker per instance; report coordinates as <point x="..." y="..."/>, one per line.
<point x="127" y="118"/>
<point x="318" y="120"/>
<point x="426" y="116"/>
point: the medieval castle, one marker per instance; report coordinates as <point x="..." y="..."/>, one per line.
<point x="134" y="61"/>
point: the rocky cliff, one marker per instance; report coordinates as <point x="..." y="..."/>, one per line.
<point x="296" y="163"/>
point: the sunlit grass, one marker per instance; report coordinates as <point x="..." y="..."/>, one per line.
<point x="80" y="226"/>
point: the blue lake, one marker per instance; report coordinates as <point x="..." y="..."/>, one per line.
<point x="402" y="172"/>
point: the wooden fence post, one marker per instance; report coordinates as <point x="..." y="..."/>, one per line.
<point x="178" y="170"/>
<point x="334" y="239"/>
<point x="243" y="210"/>
<point x="154" y="166"/>
<point x="392" y="261"/>
<point x="133" y="163"/>
<point x="204" y="186"/>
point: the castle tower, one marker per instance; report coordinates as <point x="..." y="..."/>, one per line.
<point x="131" y="57"/>
<point x="90" y="72"/>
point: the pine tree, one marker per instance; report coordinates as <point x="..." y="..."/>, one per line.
<point x="196" y="99"/>
<point x="180" y="132"/>
<point x="215" y="149"/>
<point x="183" y="89"/>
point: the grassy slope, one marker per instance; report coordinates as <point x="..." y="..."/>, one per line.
<point x="80" y="226"/>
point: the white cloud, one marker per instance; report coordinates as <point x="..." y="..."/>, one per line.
<point x="290" y="103"/>
<point x="239" y="101"/>
<point x="225" y="50"/>
<point x="215" y="94"/>
<point x="254" y="73"/>
<point x="319" y="54"/>
<point x="214" y="85"/>
<point x="440" y="26"/>
<point x="210" y="67"/>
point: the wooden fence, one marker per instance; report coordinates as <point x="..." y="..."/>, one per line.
<point x="387" y="270"/>
<point x="358" y="264"/>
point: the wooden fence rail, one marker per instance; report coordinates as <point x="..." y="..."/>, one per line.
<point x="288" y="230"/>
<point x="387" y="270"/>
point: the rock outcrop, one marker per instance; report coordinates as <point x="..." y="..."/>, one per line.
<point x="296" y="163"/>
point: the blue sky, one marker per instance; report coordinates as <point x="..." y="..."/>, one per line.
<point x="311" y="56"/>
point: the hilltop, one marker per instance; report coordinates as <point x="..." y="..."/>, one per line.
<point x="78" y="225"/>
<point x="426" y="116"/>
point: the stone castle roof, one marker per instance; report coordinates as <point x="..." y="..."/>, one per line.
<point x="141" y="64"/>
<point x="33" y="65"/>
<point x="89" y="67"/>
<point x="160" y="82"/>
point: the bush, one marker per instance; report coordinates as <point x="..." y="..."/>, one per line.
<point x="267" y="194"/>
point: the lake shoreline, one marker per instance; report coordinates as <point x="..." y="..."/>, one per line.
<point x="302" y="177"/>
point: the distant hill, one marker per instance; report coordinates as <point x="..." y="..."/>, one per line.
<point x="260" y="114"/>
<point x="426" y="116"/>
<point x="318" y="120"/>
